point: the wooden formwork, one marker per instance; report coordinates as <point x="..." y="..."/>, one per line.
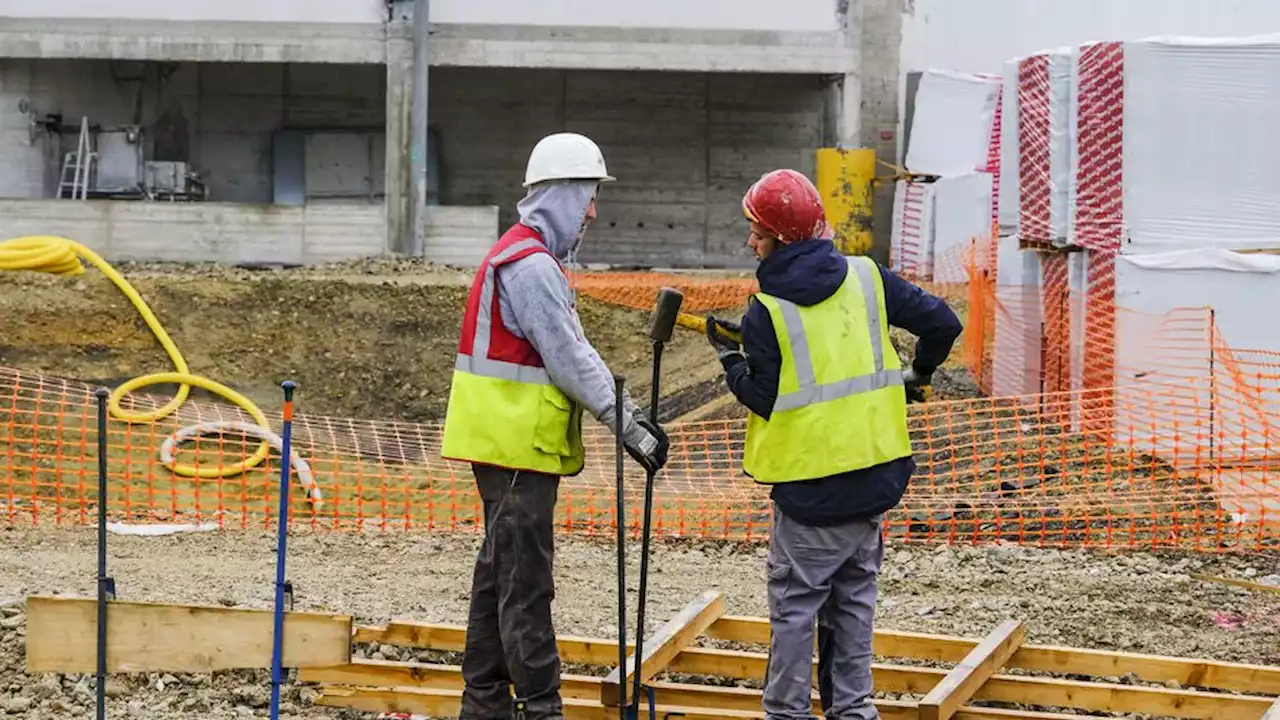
<point x="932" y="677"/>
<point x="997" y="677"/>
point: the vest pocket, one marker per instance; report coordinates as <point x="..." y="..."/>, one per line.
<point x="555" y="413"/>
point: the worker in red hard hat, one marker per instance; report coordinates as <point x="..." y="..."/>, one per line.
<point x="827" y="431"/>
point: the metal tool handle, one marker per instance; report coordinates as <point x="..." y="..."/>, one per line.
<point x="620" y="502"/>
<point x="104" y="582"/>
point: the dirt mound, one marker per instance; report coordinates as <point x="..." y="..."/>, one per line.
<point x="366" y="340"/>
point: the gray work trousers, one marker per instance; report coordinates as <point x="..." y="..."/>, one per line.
<point x="510" y="638"/>
<point x="825" y="575"/>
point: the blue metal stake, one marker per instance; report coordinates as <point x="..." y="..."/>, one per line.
<point x="277" y="640"/>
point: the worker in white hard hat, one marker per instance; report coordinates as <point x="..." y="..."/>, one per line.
<point x="524" y="373"/>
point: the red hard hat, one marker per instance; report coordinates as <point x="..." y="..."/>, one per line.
<point x="785" y="202"/>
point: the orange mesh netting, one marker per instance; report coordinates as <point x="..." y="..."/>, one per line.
<point x="1106" y="428"/>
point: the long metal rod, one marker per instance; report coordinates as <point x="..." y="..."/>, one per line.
<point x="654" y="394"/>
<point x="277" y="638"/>
<point x="621" y="504"/>
<point x="103" y="590"/>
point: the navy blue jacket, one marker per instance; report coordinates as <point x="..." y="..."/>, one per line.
<point x="807" y="273"/>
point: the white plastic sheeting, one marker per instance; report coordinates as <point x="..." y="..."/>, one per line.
<point x="951" y="127"/>
<point x="1243" y="292"/>
<point x="961" y="214"/>
<point x="1186" y="128"/>
<point x="1016" y="349"/>
<point x="1009" y="156"/>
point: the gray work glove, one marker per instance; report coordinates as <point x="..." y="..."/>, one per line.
<point x="724" y="346"/>
<point x="917" y="385"/>
<point x="645" y="442"/>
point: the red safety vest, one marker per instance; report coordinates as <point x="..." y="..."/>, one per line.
<point x="504" y="410"/>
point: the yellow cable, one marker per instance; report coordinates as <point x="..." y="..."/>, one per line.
<point x="60" y="256"/>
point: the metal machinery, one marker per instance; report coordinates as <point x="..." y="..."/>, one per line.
<point x="110" y="163"/>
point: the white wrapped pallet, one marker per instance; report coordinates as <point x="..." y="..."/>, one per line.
<point x="912" y="237"/>
<point x="951" y="127"/>
<point x="1193" y="390"/>
<point x="1044" y="105"/>
<point x="961" y="214"/>
<point x="1175" y="145"/>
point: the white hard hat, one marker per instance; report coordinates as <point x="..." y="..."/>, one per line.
<point x="565" y="156"/>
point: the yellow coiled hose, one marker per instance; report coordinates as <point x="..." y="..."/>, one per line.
<point x="60" y="256"/>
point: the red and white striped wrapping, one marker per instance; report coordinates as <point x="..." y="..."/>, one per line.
<point x="993" y="165"/>
<point x="1044" y="147"/>
<point x="1175" y="146"/>
<point x="912" y="238"/>
<point x="1044" y="103"/>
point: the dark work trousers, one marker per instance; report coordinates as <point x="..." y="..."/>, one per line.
<point x="510" y="639"/>
<point x="824" y="576"/>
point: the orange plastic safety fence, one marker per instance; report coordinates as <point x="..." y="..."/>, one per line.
<point x="1185" y="462"/>
<point x="638" y="290"/>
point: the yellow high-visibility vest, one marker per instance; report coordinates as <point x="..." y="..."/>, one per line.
<point x="841" y="404"/>
<point x="501" y="412"/>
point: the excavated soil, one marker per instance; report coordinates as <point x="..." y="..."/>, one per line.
<point x="372" y="340"/>
<point x="1136" y="602"/>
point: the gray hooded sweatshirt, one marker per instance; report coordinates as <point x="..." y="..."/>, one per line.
<point x="536" y="304"/>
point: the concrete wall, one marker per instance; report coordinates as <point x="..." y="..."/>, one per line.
<point x="797" y="15"/>
<point x="236" y="233"/>
<point x="684" y="147"/>
<point x="320" y="11"/>
<point x="218" y="116"/>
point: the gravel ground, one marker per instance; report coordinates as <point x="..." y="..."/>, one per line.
<point x="1135" y="602"/>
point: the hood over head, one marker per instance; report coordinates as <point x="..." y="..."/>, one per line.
<point x="556" y="210"/>
<point x="806" y="273"/>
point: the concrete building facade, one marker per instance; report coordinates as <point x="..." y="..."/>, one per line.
<point x="299" y="118"/>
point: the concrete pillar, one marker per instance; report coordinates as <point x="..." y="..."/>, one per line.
<point x="848" y="88"/>
<point x="399" y="186"/>
<point x="418" y="117"/>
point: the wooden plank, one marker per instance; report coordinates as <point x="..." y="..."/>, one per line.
<point x="447" y="703"/>
<point x="1274" y="712"/>
<point x="1257" y="679"/>
<point x="453" y="638"/>
<point x="960" y="684"/>
<point x="738" y="703"/>
<point x="1237" y="583"/>
<point x="674" y="636"/>
<point x="888" y="678"/>
<point x="389" y="673"/>
<point x="154" y="637"/>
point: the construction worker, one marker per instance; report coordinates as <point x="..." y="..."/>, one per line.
<point x="828" y="432"/>
<point x="524" y="373"/>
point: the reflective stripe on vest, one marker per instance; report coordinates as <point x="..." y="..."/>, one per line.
<point x="810" y="392"/>
<point x="820" y="429"/>
<point x="478" y="362"/>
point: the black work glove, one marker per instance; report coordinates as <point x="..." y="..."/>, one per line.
<point x="724" y="346"/>
<point x="917" y="385"/>
<point x="646" y="443"/>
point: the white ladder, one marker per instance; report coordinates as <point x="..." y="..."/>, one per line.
<point x="79" y="165"/>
